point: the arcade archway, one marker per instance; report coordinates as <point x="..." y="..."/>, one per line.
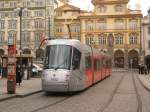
<point x="147" y="60"/>
<point x="2" y="52"/>
<point x="119" y="59"/>
<point x="134" y="56"/>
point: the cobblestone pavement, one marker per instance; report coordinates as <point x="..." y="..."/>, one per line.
<point x="114" y="94"/>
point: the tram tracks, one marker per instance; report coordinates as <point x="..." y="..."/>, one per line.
<point x="138" y="97"/>
<point x="112" y="95"/>
<point x="52" y="104"/>
<point x="134" y="81"/>
<point x="139" y="109"/>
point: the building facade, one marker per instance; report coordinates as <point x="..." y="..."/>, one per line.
<point x="36" y="19"/>
<point x="115" y="29"/>
<point x="111" y="27"/>
<point x="146" y="37"/>
<point x="67" y="22"/>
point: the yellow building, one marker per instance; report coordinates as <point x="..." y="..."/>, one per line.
<point x="67" y="18"/>
<point x="111" y="27"/>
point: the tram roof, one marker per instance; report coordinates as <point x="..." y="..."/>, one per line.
<point x="75" y="43"/>
<point x="72" y="42"/>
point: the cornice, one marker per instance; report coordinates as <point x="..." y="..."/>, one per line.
<point x="146" y="24"/>
<point x="111" y="16"/>
<point x="109" y="2"/>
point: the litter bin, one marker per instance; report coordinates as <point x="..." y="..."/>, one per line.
<point x="11" y="86"/>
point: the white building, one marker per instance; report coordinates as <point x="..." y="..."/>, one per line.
<point x="37" y="20"/>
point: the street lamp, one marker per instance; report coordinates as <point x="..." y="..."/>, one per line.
<point x="49" y="26"/>
<point x="20" y="11"/>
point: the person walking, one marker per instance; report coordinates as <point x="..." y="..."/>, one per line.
<point x="18" y="75"/>
<point x="145" y="69"/>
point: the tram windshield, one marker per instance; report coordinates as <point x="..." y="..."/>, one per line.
<point x="62" y="57"/>
<point x="58" y="57"/>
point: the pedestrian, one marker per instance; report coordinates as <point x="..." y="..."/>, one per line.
<point x="18" y="75"/>
<point x="140" y="68"/>
<point x="145" y="69"/>
<point x="148" y="67"/>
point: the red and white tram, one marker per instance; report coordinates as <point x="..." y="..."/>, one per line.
<point x="71" y="66"/>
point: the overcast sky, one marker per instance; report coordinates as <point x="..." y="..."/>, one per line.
<point x="86" y="4"/>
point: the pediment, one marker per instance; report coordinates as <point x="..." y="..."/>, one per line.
<point x="67" y="7"/>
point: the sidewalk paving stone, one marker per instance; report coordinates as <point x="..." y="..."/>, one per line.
<point x="145" y="80"/>
<point x="27" y="87"/>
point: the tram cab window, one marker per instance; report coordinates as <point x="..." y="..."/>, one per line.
<point x="76" y="59"/>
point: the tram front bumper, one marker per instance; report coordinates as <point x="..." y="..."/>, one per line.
<point x="55" y="87"/>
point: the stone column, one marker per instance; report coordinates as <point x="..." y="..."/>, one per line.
<point x="126" y="63"/>
<point x="141" y="57"/>
<point x="110" y="41"/>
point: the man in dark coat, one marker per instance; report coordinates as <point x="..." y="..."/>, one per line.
<point x="18" y="74"/>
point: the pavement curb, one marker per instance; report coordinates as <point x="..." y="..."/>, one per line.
<point x="144" y="82"/>
<point x="19" y="95"/>
<point x="7" y="98"/>
<point x="28" y="94"/>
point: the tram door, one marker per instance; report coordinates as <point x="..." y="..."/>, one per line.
<point x="89" y="70"/>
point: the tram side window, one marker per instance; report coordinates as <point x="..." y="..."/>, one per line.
<point x="96" y="65"/>
<point x="76" y="59"/>
<point x="109" y="63"/>
<point x="88" y="62"/>
<point x="104" y="63"/>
